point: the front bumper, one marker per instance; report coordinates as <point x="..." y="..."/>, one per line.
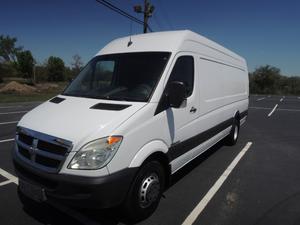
<point x="79" y="191"/>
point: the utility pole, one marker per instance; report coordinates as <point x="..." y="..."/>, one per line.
<point x="148" y="11"/>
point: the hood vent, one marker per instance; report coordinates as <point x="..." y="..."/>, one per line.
<point x="57" y="100"/>
<point x="107" y="106"/>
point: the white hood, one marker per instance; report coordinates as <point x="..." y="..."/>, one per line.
<point x="75" y="121"/>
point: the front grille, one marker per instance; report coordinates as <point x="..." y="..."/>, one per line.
<point x="26" y="138"/>
<point x="52" y="148"/>
<point x="24" y="152"/>
<point x="46" y="161"/>
<point x="40" y="150"/>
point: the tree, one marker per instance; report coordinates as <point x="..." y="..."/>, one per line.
<point x="77" y="63"/>
<point x="8" y="50"/>
<point x="264" y="79"/>
<point x="25" y="63"/>
<point x="55" y="69"/>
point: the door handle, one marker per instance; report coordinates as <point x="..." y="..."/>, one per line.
<point x="193" y="110"/>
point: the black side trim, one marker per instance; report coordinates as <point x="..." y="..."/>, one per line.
<point x="185" y="146"/>
<point x="243" y="114"/>
<point x="57" y="100"/>
<point x="107" y="106"/>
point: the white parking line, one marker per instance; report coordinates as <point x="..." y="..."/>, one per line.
<point x="281" y="99"/>
<point x="273" y="110"/>
<point x="7" y="140"/>
<point x="254" y="107"/>
<point x="8" y="107"/>
<point x="260" y="99"/>
<point x="16" y="112"/>
<point x="4" y="123"/>
<point x="264" y="108"/>
<point x="11" y="178"/>
<point x="212" y="191"/>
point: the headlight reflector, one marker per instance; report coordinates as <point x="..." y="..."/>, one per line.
<point x="96" y="154"/>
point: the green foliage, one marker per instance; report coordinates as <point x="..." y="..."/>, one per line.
<point x="41" y="73"/>
<point x="25" y="63"/>
<point x="55" y="69"/>
<point x="8" y="69"/>
<point x="268" y="80"/>
<point x="8" y="50"/>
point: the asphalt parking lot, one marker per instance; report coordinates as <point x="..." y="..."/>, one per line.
<point x="255" y="182"/>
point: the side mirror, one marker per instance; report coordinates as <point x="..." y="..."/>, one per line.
<point x="176" y="94"/>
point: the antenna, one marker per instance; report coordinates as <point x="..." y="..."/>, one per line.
<point x="130" y="42"/>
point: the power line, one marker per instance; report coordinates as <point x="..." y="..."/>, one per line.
<point x="122" y="12"/>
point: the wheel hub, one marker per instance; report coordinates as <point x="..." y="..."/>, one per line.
<point x="149" y="190"/>
<point x="236" y="130"/>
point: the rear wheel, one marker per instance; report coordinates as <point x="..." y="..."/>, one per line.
<point x="145" y="192"/>
<point x="233" y="136"/>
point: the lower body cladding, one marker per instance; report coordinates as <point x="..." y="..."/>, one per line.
<point x="78" y="191"/>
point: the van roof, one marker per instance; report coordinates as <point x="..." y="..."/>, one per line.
<point x="167" y="41"/>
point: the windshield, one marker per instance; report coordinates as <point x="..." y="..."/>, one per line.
<point x="127" y="76"/>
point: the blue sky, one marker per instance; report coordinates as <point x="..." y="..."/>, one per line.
<point x="262" y="31"/>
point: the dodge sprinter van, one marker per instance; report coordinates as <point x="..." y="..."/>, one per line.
<point x="139" y="111"/>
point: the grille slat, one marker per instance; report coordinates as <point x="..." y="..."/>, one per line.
<point x="47" y="155"/>
<point x="45" y="161"/>
<point x="25" y="138"/>
<point x="24" y="152"/>
<point x="52" y="148"/>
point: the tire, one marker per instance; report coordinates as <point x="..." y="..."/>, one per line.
<point x="233" y="136"/>
<point x="145" y="192"/>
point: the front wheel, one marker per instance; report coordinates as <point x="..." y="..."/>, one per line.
<point x="145" y="192"/>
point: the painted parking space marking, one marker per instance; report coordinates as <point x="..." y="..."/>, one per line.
<point x="11" y="122"/>
<point x="9" y="107"/>
<point x="281" y="99"/>
<point x="10" y="178"/>
<point x="15" y="112"/>
<point x="278" y="109"/>
<point x="273" y="110"/>
<point x="7" y="140"/>
<point x="213" y="190"/>
<point x="260" y="99"/>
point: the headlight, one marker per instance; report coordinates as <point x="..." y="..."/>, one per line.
<point x="96" y="154"/>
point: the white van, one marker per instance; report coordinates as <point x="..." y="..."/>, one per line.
<point x="140" y="110"/>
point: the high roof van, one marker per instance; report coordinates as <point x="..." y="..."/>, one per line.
<point x="139" y="111"/>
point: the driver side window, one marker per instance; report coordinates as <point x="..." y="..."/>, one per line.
<point x="183" y="71"/>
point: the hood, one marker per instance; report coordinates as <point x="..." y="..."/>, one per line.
<point x="79" y="119"/>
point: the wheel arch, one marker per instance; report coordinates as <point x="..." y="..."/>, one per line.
<point x="153" y="151"/>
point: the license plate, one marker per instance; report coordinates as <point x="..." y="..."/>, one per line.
<point x="32" y="191"/>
